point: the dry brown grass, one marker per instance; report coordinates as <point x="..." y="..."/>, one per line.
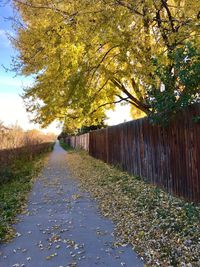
<point x="16" y="144"/>
<point x="14" y="137"/>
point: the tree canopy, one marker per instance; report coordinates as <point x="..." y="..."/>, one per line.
<point x="88" y="55"/>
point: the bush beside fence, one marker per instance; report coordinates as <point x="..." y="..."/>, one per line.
<point x="168" y="157"/>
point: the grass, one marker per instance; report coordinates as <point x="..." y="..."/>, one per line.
<point x="163" y="230"/>
<point x="14" y="192"/>
<point x="65" y="146"/>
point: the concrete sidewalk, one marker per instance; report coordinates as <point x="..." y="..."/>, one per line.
<point x="63" y="226"/>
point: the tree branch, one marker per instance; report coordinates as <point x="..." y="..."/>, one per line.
<point x="164" y="3"/>
<point x="134" y="100"/>
<point x="99" y="64"/>
<point x="105" y="104"/>
<point x="163" y="33"/>
<point x="132" y="9"/>
<point x="99" y="90"/>
<point x="40" y="6"/>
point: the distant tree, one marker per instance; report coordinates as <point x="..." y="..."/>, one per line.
<point x="87" y="129"/>
<point x="84" y="129"/>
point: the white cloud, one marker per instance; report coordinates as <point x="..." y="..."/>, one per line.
<point x="14" y="84"/>
<point x="12" y="111"/>
<point x="4" y="41"/>
<point x="2" y="33"/>
<point x="9" y="81"/>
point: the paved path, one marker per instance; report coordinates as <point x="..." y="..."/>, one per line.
<point x="63" y="226"/>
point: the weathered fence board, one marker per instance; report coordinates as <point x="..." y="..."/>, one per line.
<point x="168" y="157"/>
<point x="80" y="141"/>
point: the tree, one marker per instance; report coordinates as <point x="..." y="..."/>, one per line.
<point x="86" y="56"/>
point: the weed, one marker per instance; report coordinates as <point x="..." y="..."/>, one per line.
<point x="13" y="193"/>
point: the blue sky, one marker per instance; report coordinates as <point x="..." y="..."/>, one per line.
<point x="12" y="108"/>
<point x="8" y="84"/>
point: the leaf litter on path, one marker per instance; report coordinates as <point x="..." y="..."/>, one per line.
<point x="163" y="230"/>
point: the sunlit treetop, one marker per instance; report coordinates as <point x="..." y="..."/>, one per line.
<point x="86" y="56"/>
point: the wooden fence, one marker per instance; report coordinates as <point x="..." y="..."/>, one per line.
<point x="80" y="141"/>
<point x="167" y="157"/>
